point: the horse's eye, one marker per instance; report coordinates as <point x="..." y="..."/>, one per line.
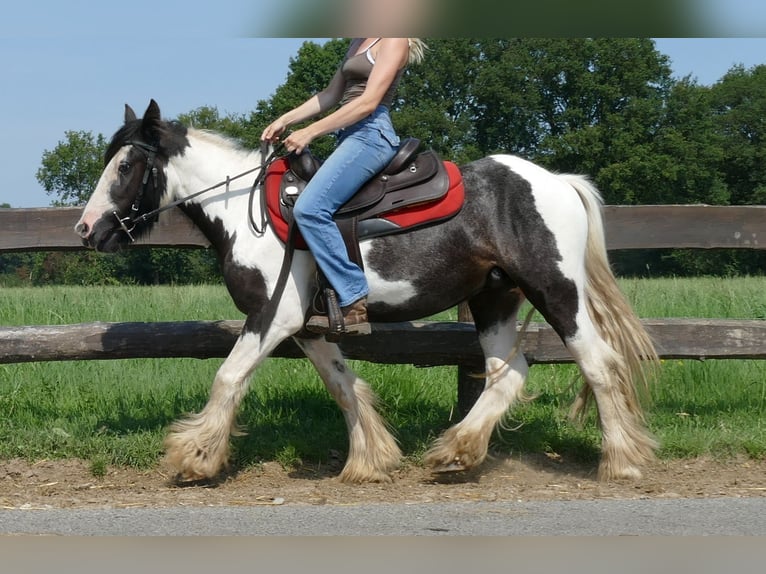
<point x="124" y="167"/>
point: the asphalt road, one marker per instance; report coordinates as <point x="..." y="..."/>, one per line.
<point x="687" y="517"/>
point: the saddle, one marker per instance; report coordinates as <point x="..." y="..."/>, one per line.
<point x="413" y="190"/>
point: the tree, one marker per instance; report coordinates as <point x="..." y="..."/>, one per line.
<point x="236" y="126"/>
<point x="71" y="170"/>
<point x="739" y="105"/>
<point x="559" y="101"/>
<point x="690" y="148"/>
<point x="435" y="100"/>
<point x="736" y="108"/>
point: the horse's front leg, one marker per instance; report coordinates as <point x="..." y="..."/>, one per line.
<point x="372" y="451"/>
<point x="197" y="447"/>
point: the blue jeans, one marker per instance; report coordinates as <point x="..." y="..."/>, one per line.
<point x="363" y="150"/>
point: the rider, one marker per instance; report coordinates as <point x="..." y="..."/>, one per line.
<point x="364" y="85"/>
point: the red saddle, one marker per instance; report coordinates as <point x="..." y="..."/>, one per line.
<point x="414" y="190"/>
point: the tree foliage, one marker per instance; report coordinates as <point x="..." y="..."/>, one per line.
<point x="71" y="170"/>
<point x="605" y="107"/>
<point x="739" y="107"/>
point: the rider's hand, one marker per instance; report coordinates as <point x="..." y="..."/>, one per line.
<point x="273" y="131"/>
<point x="298" y="140"/>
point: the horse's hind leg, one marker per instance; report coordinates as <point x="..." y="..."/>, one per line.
<point x="626" y="443"/>
<point x="372" y="452"/>
<point x="602" y="349"/>
<point x="465" y="444"/>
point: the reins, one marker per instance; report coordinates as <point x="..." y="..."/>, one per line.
<point x="151" y="152"/>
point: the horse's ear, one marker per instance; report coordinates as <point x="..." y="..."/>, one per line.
<point x="130" y="115"/>
<point x="152" y="113"/>
<point x="151" y="119"/>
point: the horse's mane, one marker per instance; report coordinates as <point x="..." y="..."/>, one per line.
<point x="219" y="139"/>
<point x="170" y="136"/>
<point x="215" y="137"/>
<point x="126" y="132"/>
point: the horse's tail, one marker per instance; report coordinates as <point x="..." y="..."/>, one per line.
<point x="614" y="318"/>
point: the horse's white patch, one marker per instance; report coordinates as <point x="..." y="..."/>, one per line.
<point x="100" y="201"/>
<point x="208" y="161"/>
<point x="497" y="341"/>
<point x="392" y="293"/>
<point x="560" y="207"/>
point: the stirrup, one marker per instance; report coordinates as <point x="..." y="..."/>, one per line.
<point x="325" y="305"/>
<point x="334" y="316"/>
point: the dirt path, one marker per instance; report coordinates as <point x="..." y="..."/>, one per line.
<point x="70" y="484"/>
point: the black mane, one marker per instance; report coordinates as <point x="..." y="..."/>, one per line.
<point x="169" y="137"/>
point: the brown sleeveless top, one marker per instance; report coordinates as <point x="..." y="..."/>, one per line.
<point x="356" y="70"/>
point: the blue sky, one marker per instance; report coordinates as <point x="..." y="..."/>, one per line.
<point x="78" y="75"/>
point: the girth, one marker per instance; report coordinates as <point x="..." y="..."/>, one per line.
<point x="410" y="178"/>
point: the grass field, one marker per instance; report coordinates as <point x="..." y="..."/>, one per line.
<point x="115" y="412"/>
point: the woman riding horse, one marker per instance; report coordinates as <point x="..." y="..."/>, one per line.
<point x="364" y="86"/>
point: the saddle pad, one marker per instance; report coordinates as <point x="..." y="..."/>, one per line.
<point x="394" y="221"/>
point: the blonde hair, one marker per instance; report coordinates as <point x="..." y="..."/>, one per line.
<point x="417" y="50"/>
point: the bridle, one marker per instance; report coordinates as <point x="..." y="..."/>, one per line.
<point x="129" y="223"/>
<point x="150" y="152"/>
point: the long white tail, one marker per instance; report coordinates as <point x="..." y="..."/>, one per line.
<point x="611" y="313"/>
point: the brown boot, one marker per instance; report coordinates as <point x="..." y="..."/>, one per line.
<point x="354" y="320"/>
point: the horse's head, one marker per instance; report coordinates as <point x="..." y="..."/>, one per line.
<point x="133" y="182"/>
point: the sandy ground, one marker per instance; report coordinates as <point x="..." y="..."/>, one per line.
<point x="70" y="484"/>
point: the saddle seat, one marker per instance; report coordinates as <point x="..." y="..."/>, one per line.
<point x="306" y="165"/>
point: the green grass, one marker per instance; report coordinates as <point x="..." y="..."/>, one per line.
<point x="115" y="412"/>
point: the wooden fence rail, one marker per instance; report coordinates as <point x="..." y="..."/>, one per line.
<point x="418" y="343"/>
<point x="627" y="227"/>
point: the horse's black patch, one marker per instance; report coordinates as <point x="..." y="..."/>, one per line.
<point x="533" y="261"/>
<point x="494" y="306"/>
<point x="499" y="226"/>
<point x="246" y="286"/>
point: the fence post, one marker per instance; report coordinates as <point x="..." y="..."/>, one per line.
<point x="468" y="388"/>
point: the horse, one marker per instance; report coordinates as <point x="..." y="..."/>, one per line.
<point x="523" y="233"/>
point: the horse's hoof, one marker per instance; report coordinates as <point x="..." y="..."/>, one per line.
<point x="454" y="465"/>
<point x="185" y="480"/>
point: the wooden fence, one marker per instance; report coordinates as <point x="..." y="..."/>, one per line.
<point x="418" y="343"/>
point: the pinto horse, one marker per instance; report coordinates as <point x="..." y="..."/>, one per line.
<point x="522" y="233"/>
